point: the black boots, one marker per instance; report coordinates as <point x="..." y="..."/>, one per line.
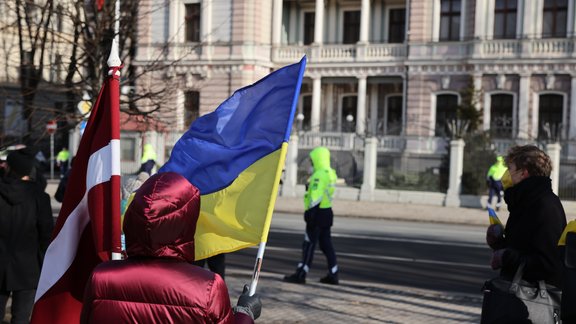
<point x="330" y="278"/>
<point x="298" y="277"/>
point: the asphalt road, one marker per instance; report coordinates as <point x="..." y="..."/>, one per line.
<point x="441" y="257"/>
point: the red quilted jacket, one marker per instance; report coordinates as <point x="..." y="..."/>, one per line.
<point x="157" y="284"/>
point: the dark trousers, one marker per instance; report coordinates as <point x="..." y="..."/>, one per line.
<point x="495" y="188"/>
<point x="22" y="303"/>
<point x="216" y="264"/>
<point x="323" y="236"/>
<point x="147" y="166"/>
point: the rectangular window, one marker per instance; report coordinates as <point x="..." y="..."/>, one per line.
<point x="550" y="116"/>
<point x="349" y="109"/>
<point x="59" y="18"/>
<point x="307" y="112"/>
<point x="505" y="14"/>
<point x="351" y="27"/>
<point x="192" y="21"/>
<point x="56" y="69"/>
<point x="397" y="26"/>
<point x="446" y="107"/>
<point x="128" y="149"/>
<point x="394" y="118"/>
<point x="191" y="107"/>
<point x="309" y="19"/>
<point x="450" y="12"/>
<point x="501" y="122"/>
<point x="555" y="18"/>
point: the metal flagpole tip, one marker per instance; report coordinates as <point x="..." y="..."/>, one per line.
<point x="114" y="59"/>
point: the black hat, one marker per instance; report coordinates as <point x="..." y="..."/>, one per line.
<point x="21" y="162"/>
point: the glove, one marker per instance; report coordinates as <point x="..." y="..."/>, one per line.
<point x="495" y="236"/>
<point x="249" y="305"/>
<point x="496" y="262"/>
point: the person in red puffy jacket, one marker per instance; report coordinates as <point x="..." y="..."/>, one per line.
<point x="158" y="283"/>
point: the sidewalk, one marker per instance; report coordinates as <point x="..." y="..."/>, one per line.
<point x="353" y="302"/>
<point x="394" y="211"/>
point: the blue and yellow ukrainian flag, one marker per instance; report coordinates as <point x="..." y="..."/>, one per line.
<point x="235" y="157"/>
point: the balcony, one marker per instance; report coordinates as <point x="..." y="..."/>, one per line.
<point x="386" y="144"/>
<point x="544" y="48"/>
<point x="340" y="53"/>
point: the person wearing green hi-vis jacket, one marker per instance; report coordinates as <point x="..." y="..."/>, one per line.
<point x="319" y="217"/>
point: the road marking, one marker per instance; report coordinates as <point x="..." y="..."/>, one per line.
<point x="391" y="239"/>
<point x="391" y="258"/>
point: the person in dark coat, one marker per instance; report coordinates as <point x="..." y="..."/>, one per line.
<point x="26" y="225"/>
<point x="158" y="283"/>
<point x="535" y="223"/>
<point x="216" y="264"/>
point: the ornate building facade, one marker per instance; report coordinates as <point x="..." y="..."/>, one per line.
<point x="394" y="70"/>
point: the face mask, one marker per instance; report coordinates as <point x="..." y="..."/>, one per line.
<point x="507" y="180"/>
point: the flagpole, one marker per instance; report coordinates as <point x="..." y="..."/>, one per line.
<point x="114" y="64"/>
<point x="257" y="266"/>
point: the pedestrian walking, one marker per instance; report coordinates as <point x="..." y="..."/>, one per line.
<point x="62" y="160"/>
<point x="319" y="218"/>
<point x="493" y="179"/>
<point x="25" y="228"/>
<point x="534" y="225"/>
<point x="157" y="282"/>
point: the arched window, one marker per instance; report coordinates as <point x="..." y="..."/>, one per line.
<point x="550" y="116"/>
<point x="501" y="115"/>
<point x="446" y="106"/>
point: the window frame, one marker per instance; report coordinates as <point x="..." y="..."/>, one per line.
<point x="383" y="129"/>
<point x="434" y="105"/>
<point x="341" y="117"/>
<point x="189" y="114"/>
<point x="555" y="11"/>
<point x="345" y="29"/>
<point x="488" y="113"/>
<point x="388" y="24"/>
<point x="451" y="14"/>
<point x="506" y="12"/>
<point x="536" y="121"/>
<point x="190" y="19"/>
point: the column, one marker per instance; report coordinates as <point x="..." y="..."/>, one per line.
<point x="319" y="23"/>
<point x="361" y="112"/>
<point x="523" y="108"/>
<point x="364" y="21"/>
<point x="571" y="28"/>
<point x="277" y="22"/>
<point x="480" y="17"/>
<point x="572" y="114"/>
<point x="330" y="116"/>
<point x="291" y="168"/>
<point x="370" y="162"/>
<point x="553" y="151"/>
<point x="456" y="169"/>
<point x="207" y="29"/>
<point x="316" y="94"/>
<point x="373" y="110"/>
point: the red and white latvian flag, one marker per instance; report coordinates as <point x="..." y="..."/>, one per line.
<point x="88" y="226"/>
